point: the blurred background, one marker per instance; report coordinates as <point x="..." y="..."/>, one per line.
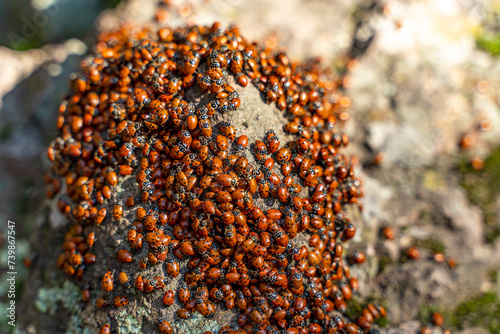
<point x="423" y="79"/>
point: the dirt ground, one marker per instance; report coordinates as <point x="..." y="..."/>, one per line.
<point x="424" y="88"/>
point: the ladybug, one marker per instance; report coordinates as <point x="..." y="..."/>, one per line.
<point x="102" y="302"/>
<point x="241" y="142"/>
<point x="124" y="256"/>
<point x="263" y="188"/>
<point x="273" y="144"/>
<point x="236" y="63"/>
<point x="259" y="250"/>
<point x="186" y="138"/>
<point x="89" y="258"/>
<point x="105" y="329"/>
<point x="107" y="282"/>
<point x="86" y="296"/>
<point x="76" y="260"/>
<point x="137" y="244"/>
<point x="302" y="145"/>
<point x="282" y="194"/>
<point x="260" y="150"/>
<point x="269" y="164"/>
<point x="242" y="80"/>
<point x="318" y="197"/>
<point x="206" y="127"/>
<point x="153" y="157"/>
<point x="228" y="131"/>
<point x="291" y="127"/>
<point x="222" y="143"/>
<point x="183" y="313"/>
<point x="204" y="82"/>
<point x="201" y="306"/>
<point x="242" y="165"/>
<point x="168" y="298"/>
<point x="141" y="213"/>
<point x="388" y="233"/>
<point x="358" y="257"/>
<point x="164" y="326"/>
<point x="117" y="210"/>
<point x="314" y="328"/>
<point x="111" y="178"/>
<point x="281" y="260"/>
<point x="413" y="253"/>
<point x="181" y="178"/>
<point x="123" y="278"/>
<point x="216" y="164"/>
<point x="192" y="121"/>
<point x="214" y="273"/>
<point x="139" y="283"/>
<point x="205" y="182"/>
<point x="349" y="232"/>
<point x="184" y="294"/>
<point x="283" y="155"/>
<point x="101" y="214"/>
<point x="223" y="197"/>
<point x="121" y="301"/>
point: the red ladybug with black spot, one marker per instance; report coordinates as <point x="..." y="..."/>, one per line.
<point x="164" y="326"/>
<point x="184" y="313"/>
<point x="184" y="294"/>
<point x="105" y="329"/>
<point x="273" y="144"/>
<point x="121" y="301"/>
<point x="107" y="281"/>
<point x="168" y="298"/>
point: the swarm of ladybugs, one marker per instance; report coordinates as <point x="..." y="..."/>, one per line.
<point x="129" y="115"/>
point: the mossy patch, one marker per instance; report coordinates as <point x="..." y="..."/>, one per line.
<point x="481" y="311"/>
<point x="483" y="188"/>
<point x="354" y="307"/>
<point x="130" y="324"/>
<point x="493" y="276"/>
<point x="75" y="326"/>
<point x="383" y="262"/>
<point x="489" y="43"/>
<point x="48" y="299"/>
<point x="432" y="244"/>
<point x="5" y="131"/>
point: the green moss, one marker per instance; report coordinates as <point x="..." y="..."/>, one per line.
<point x="354" y="307"/>
<point x="489" y="43"/>
<point x="493" y="275"/>
<point x="483" y="187"/>
<point x="383" y="262"/>
<point x="75" y="325"/>
<point x="113" y="3"/>
<point x="6" y="131"/>
<point x="481" y="311"/>
<point x="129" y="324"/>
<point x="432" y="244"/>
<point x="48" y="299"/>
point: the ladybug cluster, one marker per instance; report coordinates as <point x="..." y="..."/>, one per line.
<point x="129" y="117"/>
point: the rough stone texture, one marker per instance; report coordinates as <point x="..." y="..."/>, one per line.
<point x="414" y="92"/>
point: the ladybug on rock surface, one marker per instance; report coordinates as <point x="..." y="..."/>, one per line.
<point x="194" y="195"/>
